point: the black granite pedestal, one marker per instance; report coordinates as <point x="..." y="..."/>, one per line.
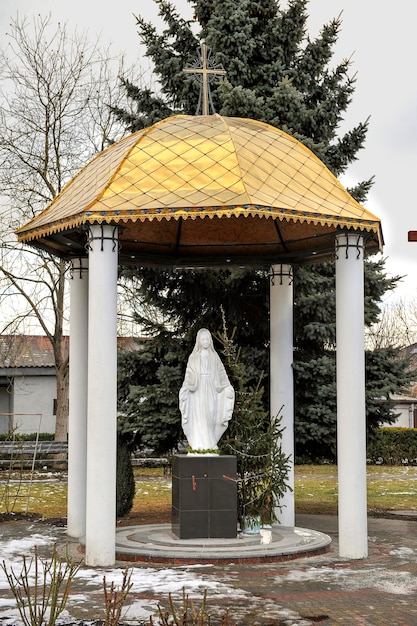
<point x="204" y="496"/>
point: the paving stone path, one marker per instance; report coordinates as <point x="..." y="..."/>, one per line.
<point x="378" y="591"/>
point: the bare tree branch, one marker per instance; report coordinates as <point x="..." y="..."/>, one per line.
<point x="397" y="326"/>
<point x="56" y="90"/>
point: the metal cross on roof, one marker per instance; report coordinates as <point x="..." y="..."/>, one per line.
<point x="205" y="72"/>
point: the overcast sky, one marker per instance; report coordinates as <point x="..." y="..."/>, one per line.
<point x="383" y="48"/>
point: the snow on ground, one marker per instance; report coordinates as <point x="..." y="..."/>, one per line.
<point x="12" y="551"/>
<point x="162" y="581"/>
<point x="150" y="586"/>
<point x="145" y="580"/>
<point x="153" y="584"/>
<point x="395" y="582"/>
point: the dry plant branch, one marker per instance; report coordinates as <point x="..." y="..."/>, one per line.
<point x="115" y="599"/>
<point x="41" y="589"/>
<point x="188" y="614"/>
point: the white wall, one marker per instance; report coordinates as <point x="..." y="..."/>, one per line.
<point x="5" y="403"/>
<point x="34" y="395"/>
<point x="404" y="407"/>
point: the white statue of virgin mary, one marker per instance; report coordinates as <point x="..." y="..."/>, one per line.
<point x="206" y="398"/>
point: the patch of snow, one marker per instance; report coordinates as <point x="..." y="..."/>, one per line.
<point x="145" y="580"/>
<point x="164" y="581"/>
<point x="399" y="583"/>
<point x="13" y="550"/>
<point x="401" y="551"/>
<point x="10" y="617"/>
<point x="140" y="610"/>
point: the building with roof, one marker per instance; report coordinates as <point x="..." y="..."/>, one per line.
<point x="28" y="382"/>
<point x="405" y="410"/>
<point x="405" y="404"/>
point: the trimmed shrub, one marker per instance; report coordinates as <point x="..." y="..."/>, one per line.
<point x="27" y="437"/>
<point x="125" y="480"/>
<point x="393" y="446"/>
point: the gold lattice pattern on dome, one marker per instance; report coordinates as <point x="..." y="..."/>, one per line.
<point x="193" y="167"/>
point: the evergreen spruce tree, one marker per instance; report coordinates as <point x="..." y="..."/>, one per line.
<point x="148" y="385"/>
<point x="150" y="379"/>
<point x="277" y="74"/>
<point x="255" y="439"/>
<point x="315" y="359"/>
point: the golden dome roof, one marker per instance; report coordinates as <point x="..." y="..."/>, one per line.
<point x="196" y="188"/>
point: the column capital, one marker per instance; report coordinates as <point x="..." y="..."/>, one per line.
<point x="280" y="272"/>
<point x="102" y="233"/>
<point x="79" y="267"/>
<point x="349" y="241"/>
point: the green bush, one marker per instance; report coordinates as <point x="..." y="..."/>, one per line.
<point x="393" y="446"/>
<point x="27" y="437"/>
<point x="125" y="480"/>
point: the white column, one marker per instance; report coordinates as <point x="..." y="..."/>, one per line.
<point x="77" y="418"/>
<point x="281" y="374"/>
<point x="102" y="397"/>
<point x="351" y="418"/>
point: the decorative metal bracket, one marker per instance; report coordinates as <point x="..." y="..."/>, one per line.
<point x="102" y="237"/>
<point x="279" y="271"/>
<point x="344" y="241"/>
<point x="77" y="267"/>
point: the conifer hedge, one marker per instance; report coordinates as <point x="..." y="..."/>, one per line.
<point x="393" y="446"/>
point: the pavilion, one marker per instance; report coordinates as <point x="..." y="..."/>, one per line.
<point x="205" y="191"/>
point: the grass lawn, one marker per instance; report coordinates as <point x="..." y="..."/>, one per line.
<point x="389" y="488"/>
